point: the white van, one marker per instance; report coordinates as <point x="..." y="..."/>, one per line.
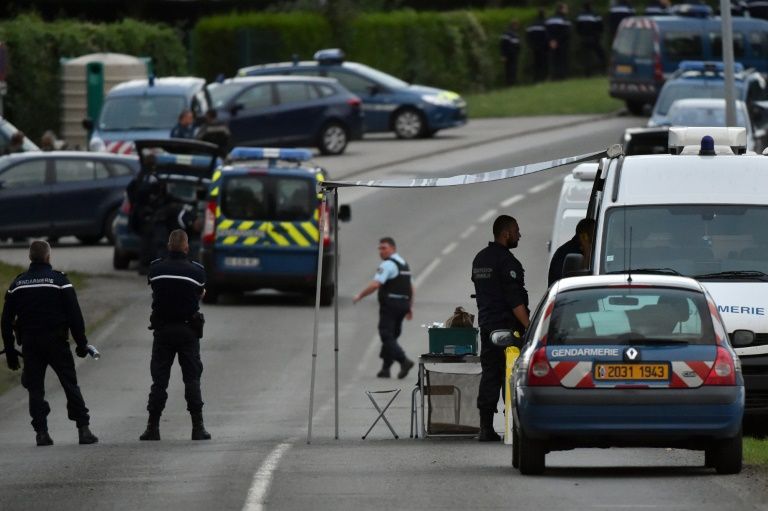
<point x="699" y="216"/>
<point x="572" y="205"/>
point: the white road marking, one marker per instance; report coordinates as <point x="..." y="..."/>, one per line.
<point x="262" y="479"/>
<point x="512" y="200"/>
<point x="469" y="230"/>
<point x="450" y="248"/>
<point x="487" y="216"/>
<point x="543" y="186"/>
<point x="425" y="273"/>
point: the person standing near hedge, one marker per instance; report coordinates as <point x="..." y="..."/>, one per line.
<point x="510" y="49"/>
<point x="559" y="34"/>
<point x="589" y="26"/>
<point x="536" y="37"/>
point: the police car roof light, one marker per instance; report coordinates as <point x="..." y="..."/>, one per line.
<point x="269" y="153"/>
<point x="330" y="56"/>
<point x="707" y="66"/>
<point x="734" y="138"/>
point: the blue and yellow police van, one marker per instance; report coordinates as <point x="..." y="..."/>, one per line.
<point x="261" y="228"/>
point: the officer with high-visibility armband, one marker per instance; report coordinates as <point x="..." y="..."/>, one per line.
<point x="502" y="303"/>
<point x="178" y="284"/>
<point x="41" y="306"/>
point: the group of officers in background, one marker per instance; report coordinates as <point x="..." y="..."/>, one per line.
<point x="549" y="38"/>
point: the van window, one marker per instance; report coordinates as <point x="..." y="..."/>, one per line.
<point x="634" y="42"/>
<point x="716" y="43"/>
<point x="623" y="316"/>
<point x="683" y="45"/>
<point x="758" y="43"/>
<point x="141" y="113"/>
<point x="690" y="239"/>
<point x="268" y="198"/>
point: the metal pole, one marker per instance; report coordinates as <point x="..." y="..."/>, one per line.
<point x="321" y="228"/>
<point x="336" y="248"/>
<point x="727" y="39"/>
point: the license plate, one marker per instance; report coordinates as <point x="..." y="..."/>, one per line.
<point x="242" y="262"/>
<point x="624" y="69"/>
<point x="651" y="372"/>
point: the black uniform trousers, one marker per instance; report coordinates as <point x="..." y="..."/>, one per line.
<point x="540" y="65"/>
<point x="510" y="69"/>
<point x="40" y="352"/>
<point x="391" y="316"/>
<point x="154" y="237"/>
<point x="492" y="362"/>
<point x="169" y="341"/>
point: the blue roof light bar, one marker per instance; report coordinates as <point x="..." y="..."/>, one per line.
<point x="269" y="153"/>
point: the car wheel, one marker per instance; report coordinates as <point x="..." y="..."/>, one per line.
<point x="333" y="138"/>
<point x="727" y="455"/>
<point x="89" y="240"/>
<point x="532" y="455"/>
<point x="515" y="447"/>
<point x="108" y="230"/>
<point x="211" y="296"/>
<point x="709" y="458"/>
<point x="408" y="123"/>
<point x="635" y="107"/>
<point x="120" y="260"/>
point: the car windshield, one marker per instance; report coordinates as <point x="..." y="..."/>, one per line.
<point x="377" y="76"/>
<point x="698" y="115"/>
<point x="258" y="197"/>
<point x="690" y="239"/>
<point x="141" y="113"/>
<point x="630" y="315"/>
<point x="675" y="91"/>
<point x="221" y="93"/>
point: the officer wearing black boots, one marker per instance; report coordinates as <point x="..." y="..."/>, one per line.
<point x="178" y="284"/>
<point x="502" y="304"/>
<point x="41" y="307"/>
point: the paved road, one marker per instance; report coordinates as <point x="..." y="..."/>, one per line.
<point x="257" y="359"/>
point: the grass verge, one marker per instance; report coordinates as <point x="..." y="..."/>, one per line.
<point x="756" y="451"/>
<point x="8" y="272"/>
<point x="568" y="97"/>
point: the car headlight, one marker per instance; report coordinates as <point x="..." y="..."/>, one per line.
<point x="438" y="99"/>
<point x="97" y="145"/>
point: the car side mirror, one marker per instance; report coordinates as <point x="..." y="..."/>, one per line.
<point x="345" y="213"/>
<point x="743" y="338"/>
<point x="503" y="338"/>
<point x="573" y="266"/>
<point x="235" y="108"/>
<point x="87" y="124"/>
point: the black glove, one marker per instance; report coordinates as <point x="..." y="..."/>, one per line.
<point x="12" y="359"/>
<point x="81" y="351"/>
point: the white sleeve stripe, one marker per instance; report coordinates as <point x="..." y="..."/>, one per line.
<point x="177" y="277"/>
<point x="180" y="218"/>
<point x="28" y="286"/>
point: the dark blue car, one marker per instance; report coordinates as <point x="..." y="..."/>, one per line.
<point x="627" y="361"/>
<point x="62" y="193"/>
<point x="390" y="104"/>
<point x="288" y="111"/>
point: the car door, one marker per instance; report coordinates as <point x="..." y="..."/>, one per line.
<point x="78" y="191"/>
<point x="25" y="199"/>
<point x="252" y="116"/>
<point x="299" y="112"/>
<point x="378" y="103"/>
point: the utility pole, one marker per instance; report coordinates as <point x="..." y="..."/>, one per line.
<point x="727" y="39"/>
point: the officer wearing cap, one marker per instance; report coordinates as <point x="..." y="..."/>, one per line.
<point x="41" y="306"/>
<point x="178" y="284"/>
<point x="589" y="26"/>
<point x="536" y="37"/>
<point x="502" y="304"/>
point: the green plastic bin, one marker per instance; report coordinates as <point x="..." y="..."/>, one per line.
<point x="453" y="341"/>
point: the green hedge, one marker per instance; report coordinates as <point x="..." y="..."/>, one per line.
<point x="34" y="89"/>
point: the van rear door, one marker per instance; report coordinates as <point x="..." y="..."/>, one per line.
<point x="633" y="72"/>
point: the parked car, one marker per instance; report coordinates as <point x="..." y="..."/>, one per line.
<point x="627" y="360"/>
<point x="648" y="49"/>
<point x="390" y="104"/>
<point x="695" y="79"/>
<point x="144" y="109"/>
<point x="288" y="111"/>
<point x="62" y="193"/>
<point x="6" y="132"/>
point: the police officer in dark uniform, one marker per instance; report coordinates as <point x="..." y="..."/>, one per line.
<point x="758" y="9"/>
<point x="395" y="291"/>
<point x="536" y="37"/>
<point x="502" y="304"/>
<point x="619" y="10"/>
<point x="589" y="26"/>
<point x="148" y="215"/>
<point x="657" y="8"/>
<point x="178" y="284"/>
<point x="559" y="34"/>
<point x="581" y="243"/>
<point x="509" y="45"/>
<point x="41" y="306"/>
